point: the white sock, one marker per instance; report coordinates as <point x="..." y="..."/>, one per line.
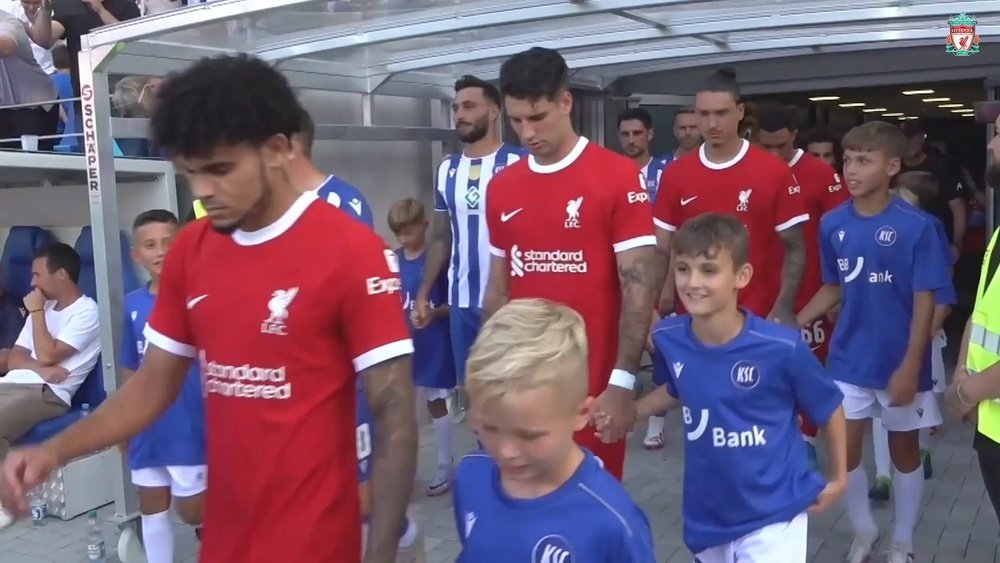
<point x="410" y="535"/>
<point x="907" y="496"/>
<point x="880" y="443"/>
<point x="859" y="510"/>
<point x="158" y="537"/>
<point x="925" y="439"/>
<point x="655" y="427"/>
<point x="442" y="435"/>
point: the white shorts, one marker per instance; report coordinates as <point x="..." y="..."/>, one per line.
<point x="861" y="403"/>
<point x="786" y="542"/>
<point x="938" y="344"/>
<point x="432" y="394"/>
<point x="183" y="480"/>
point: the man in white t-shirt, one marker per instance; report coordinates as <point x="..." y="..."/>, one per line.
<point x="56" y="349"/>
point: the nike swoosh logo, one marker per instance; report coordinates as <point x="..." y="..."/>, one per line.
<point x="195" y="301"/>
<point x="504" y="217"/>
<point x="688" y="200"/>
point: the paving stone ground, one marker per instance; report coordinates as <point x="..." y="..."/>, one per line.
<point x="957" y="524"/>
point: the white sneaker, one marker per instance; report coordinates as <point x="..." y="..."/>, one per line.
<point x="6" y="520"/>
<point x="861" y="549"/>
<point x="441" y="482"/>
<point x="899" y="554"/>
<point x="413" y="553"/>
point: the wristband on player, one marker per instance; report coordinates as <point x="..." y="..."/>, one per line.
<point x="622" y="378"/>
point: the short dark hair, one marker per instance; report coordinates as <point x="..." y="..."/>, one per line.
<point x="307" y="131"/>
<point x="60" y="56"/>
<point x="723" y="80"/>
<point x="61" y="256"/>
<point x="636" y="113"/>
<point x="706" y="234"/>
<point x="534" y="74"/>
<point x="154" y="216"/>
<point x="490" y="91"/>
<point x="876" y="136"/>
<point x="224" y="100"/>
<point x="773" y="117"/>
<point x="821" y="135"/>
<point x="686" y="109"/>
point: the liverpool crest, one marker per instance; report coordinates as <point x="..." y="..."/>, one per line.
<point x="962" y="39"/>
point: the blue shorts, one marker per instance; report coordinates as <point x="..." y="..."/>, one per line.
<point x="465" y="322"/>
<point x="365" y="437"/>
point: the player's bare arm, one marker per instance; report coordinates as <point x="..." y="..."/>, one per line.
<point x="827" y="297"/>
<point x="389" y="390"/>
<point x="959" y="407"/>
<point x="438" y="251"/>
<point x="903" y="383"/>
<point x="667" y="287"/>
<point x="835" y="431"/>
<point x="497" y="287"/>
<point x="656" y="403"/>
<point x="637" y="276"/>
<point x="130" y="410"/>
<point x="792" y="269"/>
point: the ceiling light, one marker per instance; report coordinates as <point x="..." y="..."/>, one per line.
<point x="852" y="105"/>
<point x="874" y="110"/>
<point x="949" y="106"/>
<point x="892" y="114"/>
<point x="937" y="99"/>
<point x="824" y="98"/>
<point x="909" y="117"/>
<point x="962" y="110"/>
<point x="916" y="92"/>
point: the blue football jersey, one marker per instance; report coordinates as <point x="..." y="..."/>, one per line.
<point x="589" y="519"/>
<point x="348" y="198"/>
<point x="433" y="363"/>
<point x="177" y="438"/>
<point x="879" y="263"/>
<point x="745" y="463"/>
<point x="651" y="173"/>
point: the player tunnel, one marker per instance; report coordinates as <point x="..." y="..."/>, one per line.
<point x="378" y="77"/>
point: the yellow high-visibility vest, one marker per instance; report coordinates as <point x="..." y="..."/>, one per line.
<point x="984" y="340"/>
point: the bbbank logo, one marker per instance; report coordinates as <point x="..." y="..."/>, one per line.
<point x="851" y="273"/>
<point x="546" y="262"/>
<point x="885" y="236"/>
<point x="722" y="438"/>
<point x="552" y="549"/>
<point x="745" y="375"/>
<point x="702" y="425"/>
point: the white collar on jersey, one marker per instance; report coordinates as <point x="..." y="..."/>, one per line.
<point x="277" y="228"/>
<point x="569" y="159"/>
<point x="795" y="159"/>
<point x="744" y="147"/>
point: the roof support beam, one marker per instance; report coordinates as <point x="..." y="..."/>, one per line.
<point x="444" y="20"/>
<point x="705" y="25"/>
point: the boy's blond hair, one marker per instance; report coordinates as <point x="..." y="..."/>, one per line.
<point x="404" y="213"/>
<point x="529" y="343"/>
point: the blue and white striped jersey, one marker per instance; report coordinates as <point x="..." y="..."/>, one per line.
<point x="651" y="174"/>
<point x="460" y="190"/>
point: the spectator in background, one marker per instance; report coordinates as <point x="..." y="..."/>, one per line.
<point x="949" y="207"/>
<point x="11" y="320"/>
<point x="71" y="23"/>
<point x="25" y="11"/>
<point x="63" y="82"/>
<point x="134" y="97"/>
<point x="22" y="81"/>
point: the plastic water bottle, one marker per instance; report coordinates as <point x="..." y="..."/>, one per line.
<point x="39" y="509"/>
<point x="85" y="408"/>
<point x="95" y="539"/>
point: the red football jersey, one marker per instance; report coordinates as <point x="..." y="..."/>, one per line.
<point x="282" y="319"/>
<point x="755" y="186"/>
<point x="560" y="227"/>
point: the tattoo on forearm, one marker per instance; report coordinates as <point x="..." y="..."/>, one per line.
<point x="390" y="393"/>
<point x="794" y="265"/>
<point x="438" y="249"/>
<point x="640" y="278"/>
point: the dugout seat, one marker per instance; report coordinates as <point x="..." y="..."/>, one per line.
<point x="88" y="273"/>
<point x="18" y="253"/>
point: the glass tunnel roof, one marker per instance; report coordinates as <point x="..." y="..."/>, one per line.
<point x="418" y="47"/>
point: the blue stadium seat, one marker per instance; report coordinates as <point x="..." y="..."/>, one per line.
<point x="18" y="252"/>
<point x="88" y="273"/>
